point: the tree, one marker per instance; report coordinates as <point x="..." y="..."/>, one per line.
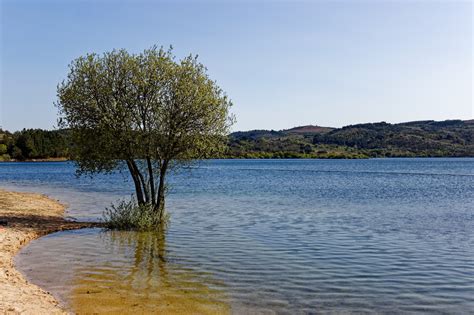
<point x="25" y="143"/>
<point x="147" y="113"/>
<point x="17" y="154"/>
<point x="3" y="148"/>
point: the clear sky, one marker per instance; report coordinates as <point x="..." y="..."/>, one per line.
<point x="283" y="63"/>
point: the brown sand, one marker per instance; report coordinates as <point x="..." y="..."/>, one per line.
<point x="28" y="216"/>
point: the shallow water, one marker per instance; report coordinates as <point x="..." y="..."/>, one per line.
<point x="275" y="236"/>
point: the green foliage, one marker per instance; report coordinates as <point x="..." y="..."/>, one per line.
<point x="4" y="156"/>
<point x="412" y="139"/>
<point x="426" y="138"/>
<point x="422" y="138"/>
<point x="17" y="154"/>
<point x="121" y="106"/>
<point x="146" y="112"/>
<point x="3" y="149"/>
<point x="128" y="215"/>
<point x="34" y="144"/>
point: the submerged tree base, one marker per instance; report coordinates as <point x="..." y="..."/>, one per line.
<point x="129" y="215"/>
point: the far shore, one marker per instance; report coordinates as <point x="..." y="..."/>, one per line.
<point x="24" y="217"/>
<point x="38" y="160"/>
<point x="271" y="158"/>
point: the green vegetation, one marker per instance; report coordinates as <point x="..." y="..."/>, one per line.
<point x="147" y="113"/>
<point x="127" y="215"/>
<point x="30" y="144"/>
<point x="454" y="138"/>
<point x="422" y="138"/>
<point x="451" y="138"/>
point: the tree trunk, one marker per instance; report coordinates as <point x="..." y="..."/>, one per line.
<point x="143" y="182"/>
<point x="160" y="202"/>
<point x="136" y="181"/>
<point x="152" y="181"/>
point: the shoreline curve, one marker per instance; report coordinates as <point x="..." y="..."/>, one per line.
<point x="25" y="217"/>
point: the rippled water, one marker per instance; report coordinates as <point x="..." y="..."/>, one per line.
<point x="269" y="236"/>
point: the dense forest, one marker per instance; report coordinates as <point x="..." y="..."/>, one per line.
<point x="30" y="144"/>
<point x="453" y="138"/>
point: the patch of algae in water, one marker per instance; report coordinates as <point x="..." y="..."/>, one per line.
<point x="149" y="285"/>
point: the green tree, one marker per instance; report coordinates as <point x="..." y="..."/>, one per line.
<point x="24" y="142"/>
<point x="17" y="154"/>
<point x="147" y="113"/>
<point x="3" y="148"/>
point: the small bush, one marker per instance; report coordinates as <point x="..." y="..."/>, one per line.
<point x="128" y="215"/>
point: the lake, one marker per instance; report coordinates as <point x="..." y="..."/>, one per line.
<point x="266" y="236"/>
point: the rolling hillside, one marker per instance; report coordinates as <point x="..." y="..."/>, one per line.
<point x="450" y="138"/>
<point x="417" y="138"/>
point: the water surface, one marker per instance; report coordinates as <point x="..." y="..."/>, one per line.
<point x="270" y="236"/>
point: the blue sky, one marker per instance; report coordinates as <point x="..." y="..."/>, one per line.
<point x="283" y="63"/>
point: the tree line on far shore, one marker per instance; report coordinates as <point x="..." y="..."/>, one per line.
<point x="415" y="139"/>
<point x="449" y="138"/>
<point x="29" y="144"/>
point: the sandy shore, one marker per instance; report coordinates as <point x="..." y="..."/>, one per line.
<point x="27" y="216"/>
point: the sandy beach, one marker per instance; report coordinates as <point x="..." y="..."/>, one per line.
<point x="24" y="217"/>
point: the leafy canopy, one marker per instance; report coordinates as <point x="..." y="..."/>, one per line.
<point x="121" y="106"/>
<point x="146" y="111"/>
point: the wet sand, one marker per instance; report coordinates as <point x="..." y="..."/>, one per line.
<point x="24" y="217"/>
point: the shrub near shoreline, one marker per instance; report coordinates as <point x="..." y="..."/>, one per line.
<point x="129" y="215"/>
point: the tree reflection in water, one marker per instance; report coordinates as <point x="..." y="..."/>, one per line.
<point x="139" y="277"/>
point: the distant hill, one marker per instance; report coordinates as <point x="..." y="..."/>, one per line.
<point x="432" y="138"/>
<point x="309" y="129"/>
<point x="429" y="138"/>
<point x="416" y="138"/>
